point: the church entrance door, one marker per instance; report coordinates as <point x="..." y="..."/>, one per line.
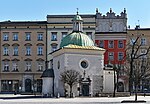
<point x="85" y="90"/>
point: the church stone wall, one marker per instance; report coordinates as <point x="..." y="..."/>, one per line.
<point x="98" y="84"/>
<point x="94" y="70"/>
<point x="73" y="61"/>
<point x="58" y="66"/>
<point x="47" y="86"/>
<point x="94" y="63"/>
<point x="108" y="81"/>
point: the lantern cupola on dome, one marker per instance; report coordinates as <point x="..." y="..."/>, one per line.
<point x="77" y="37"/>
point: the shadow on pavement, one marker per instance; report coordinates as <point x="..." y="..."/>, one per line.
<point x="23" y="97"/>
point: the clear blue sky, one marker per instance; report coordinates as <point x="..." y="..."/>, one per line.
<point x="30" y="10"/>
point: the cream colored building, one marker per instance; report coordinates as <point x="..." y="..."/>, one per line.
<point x="143" y="36"/>
<point x="23" y="56"/>
<point x="143" y="33"/>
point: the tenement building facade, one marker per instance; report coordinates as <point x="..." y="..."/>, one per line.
<point x="23" y="55"/>
<point x="142" y="38"/>
<point x="27" y="47"/>
<point x="110" y="34"/>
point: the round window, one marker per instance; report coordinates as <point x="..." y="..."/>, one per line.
<point x="84" y="64"/>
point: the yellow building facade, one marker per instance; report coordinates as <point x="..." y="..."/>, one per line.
<point x="23" y="55"/>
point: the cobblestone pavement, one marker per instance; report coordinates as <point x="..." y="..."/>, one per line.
<point x="98" y="100"/>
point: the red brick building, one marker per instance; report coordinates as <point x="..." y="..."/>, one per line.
<point x="115" y="44"/>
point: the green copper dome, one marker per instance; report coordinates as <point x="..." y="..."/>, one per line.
<point x="77" y="38"/>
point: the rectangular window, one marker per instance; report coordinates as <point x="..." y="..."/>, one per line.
<point x="120" y="44"/>
<point x="40" y="66"/>
<point x="111" y="44"/>
<point x="5" y="51"/>
<point x="16" y="51"/>
<point x="5" y="66"/>
<point x="132" y="41"/>
<point x="101" y="44"/>
<point x="143" y="51"/>
<point x="5" y="36"/>
<point x="40" y="37"/>
<point x="64" y="34"/>
<point x="40" y="50"/>
<point x="15" y="66"/>
<point x="89" y="34"/>
<point x="111" y="56"/>
<point x="54" y="36"/>
<point x="120" y="56"/>
<point x="28" y="36"/>
<point x="54" y="48"/>
<point x="15" y="36"/>
<point x="28" y="50"/>
<point x="28" y="66"/>
<point x="143" y="41"/>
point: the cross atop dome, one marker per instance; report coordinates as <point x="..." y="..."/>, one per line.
<point x="77" y="10"/>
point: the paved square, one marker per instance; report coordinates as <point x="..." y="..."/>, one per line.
<point x="93" y="100"/>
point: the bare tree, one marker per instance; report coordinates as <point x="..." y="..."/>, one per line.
<point x="70" y="77"/>
<point x="141" y="70"/>
<point x="135" y="62"/>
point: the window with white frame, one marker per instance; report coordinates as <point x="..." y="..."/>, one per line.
<point x="28" y="50"/>
<point x="120" y="55"/>
<point x="40" y="37"/>
<point x="143" y="41"/>
<point x="101" y="43"/>
<point x="28" y="66"/>
<point x="15" y="36"/>
<point x="15" y="50"/>
<point x="5" y="66"/>
<point x="89" y="34"/>
<point x="40" y="66"/>
<point x="28" y="36"/>
<point x="132" y="41"/>
<point x="5" y="50"/>
<point x="111" y="56"/>
<point x="111" y="44"/>
<point x="5" y="37"/>
<point x="15" y="66"/>
<point x="64" y="34"/>
<point x="120" y="43"/>
<point x="40" y="50"/>
<point x="54" y="36"/>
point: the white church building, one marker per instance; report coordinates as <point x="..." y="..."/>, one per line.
<point x="77" y="52"/>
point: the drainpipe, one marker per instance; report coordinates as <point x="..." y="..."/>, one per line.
<point x="0" y="58"/>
